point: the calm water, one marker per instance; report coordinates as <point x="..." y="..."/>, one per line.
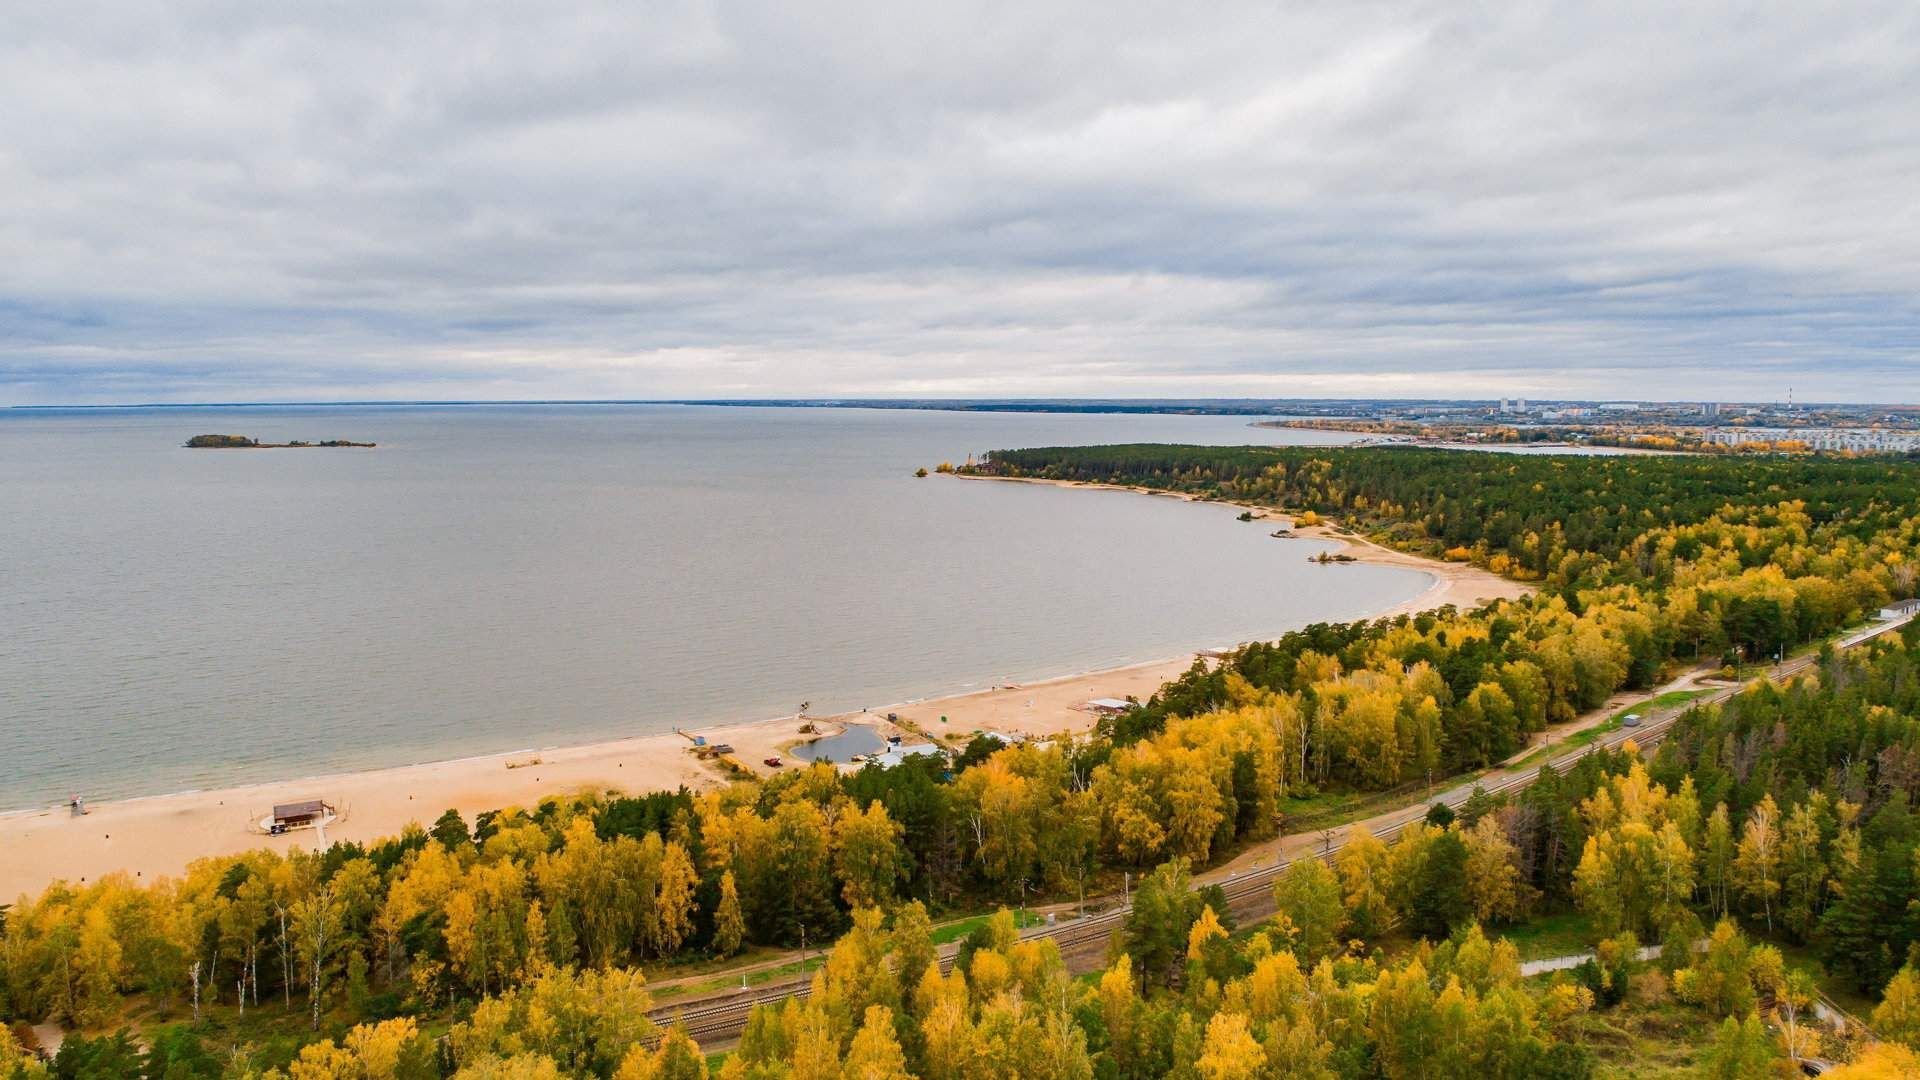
<point x="856" y="740"/>
<point x="504" y="577"/>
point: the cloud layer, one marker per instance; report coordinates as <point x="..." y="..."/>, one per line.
<point x="218" y="201"/>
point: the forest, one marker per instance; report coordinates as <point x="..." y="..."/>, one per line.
<point x="1569" y="521"/>
<point x="1776" y="825"/>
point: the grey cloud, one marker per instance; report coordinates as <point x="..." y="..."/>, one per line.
<point x="221" y="200"/>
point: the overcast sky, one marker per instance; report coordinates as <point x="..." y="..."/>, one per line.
<point x="339" y="201"/>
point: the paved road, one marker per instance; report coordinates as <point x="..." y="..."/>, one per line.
<point x="1563" y="963"/>
<point x="718" y="1019"/>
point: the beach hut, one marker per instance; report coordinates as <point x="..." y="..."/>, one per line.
<point x="299" y="815"/>
<point x="898" y="754"/>
<point x="895" y="756"/>
<point x="1107" y="706"/>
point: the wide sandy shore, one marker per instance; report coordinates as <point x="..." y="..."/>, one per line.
<point x="156" y="836"/>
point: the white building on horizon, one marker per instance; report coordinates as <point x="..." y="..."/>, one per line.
<point x="1858" y="440"/>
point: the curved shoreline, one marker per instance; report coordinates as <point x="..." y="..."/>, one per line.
<point x="154" y="835"/>
<point x="1460" y="584"/>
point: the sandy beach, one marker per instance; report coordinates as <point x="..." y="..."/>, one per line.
<point x="161" y="835"/>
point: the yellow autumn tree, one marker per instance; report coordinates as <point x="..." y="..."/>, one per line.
<point x="1230" y="1051"/>
<point x="1366" y="881"/>
<point x="729" y="926"/>
<point x="867" y="856"/>
<point x="1494" y="882"/>
<point x="1879" y="1061"/>
<point x="875" y="1053"/>
<point x="1897" y="1017"/>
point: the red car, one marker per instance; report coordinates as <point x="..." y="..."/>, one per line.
<point x="772" y="761"/>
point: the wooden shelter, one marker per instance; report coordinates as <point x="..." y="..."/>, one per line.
<point x="300" y="815"/>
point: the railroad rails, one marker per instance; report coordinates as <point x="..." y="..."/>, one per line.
<point x="719" y="1018"/>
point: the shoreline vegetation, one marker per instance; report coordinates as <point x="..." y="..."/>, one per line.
<point x="243" y="442"/>
<point x="160" y="834"/>
<point x="1617" y="436"/>
<point x="1755" y="855"/>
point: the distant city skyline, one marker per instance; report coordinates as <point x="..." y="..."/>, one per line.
<point x="219" y="203"/>
<point x="1711" y="408"/>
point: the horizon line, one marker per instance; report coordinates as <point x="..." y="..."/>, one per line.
<point x="896" y="400"/>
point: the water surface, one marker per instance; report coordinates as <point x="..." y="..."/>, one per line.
<point x="494" y="578"/>
<point x="857" y="739"/>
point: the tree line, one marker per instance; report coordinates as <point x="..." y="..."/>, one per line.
<point x="1569" y="521"/>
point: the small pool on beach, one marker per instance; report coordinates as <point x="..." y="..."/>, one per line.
<point x="856" y="739"/>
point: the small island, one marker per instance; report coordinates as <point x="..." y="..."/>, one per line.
<point x="242" y="442"/>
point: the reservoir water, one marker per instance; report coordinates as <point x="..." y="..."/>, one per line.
<point x="498" y="577"/>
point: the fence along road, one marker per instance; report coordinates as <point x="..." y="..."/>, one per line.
<point x="719" y="1018"/>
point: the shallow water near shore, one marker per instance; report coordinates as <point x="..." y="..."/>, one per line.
<point x="496" y="578"/>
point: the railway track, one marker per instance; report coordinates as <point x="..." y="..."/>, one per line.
<point x="719" y="1018"/>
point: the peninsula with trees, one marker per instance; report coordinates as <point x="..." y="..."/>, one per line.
<point x="245" y="442"/>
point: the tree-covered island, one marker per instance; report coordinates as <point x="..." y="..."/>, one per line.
<point x="243" y="442"/>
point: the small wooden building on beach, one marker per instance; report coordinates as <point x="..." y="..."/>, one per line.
<point x="300" y="815"/>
